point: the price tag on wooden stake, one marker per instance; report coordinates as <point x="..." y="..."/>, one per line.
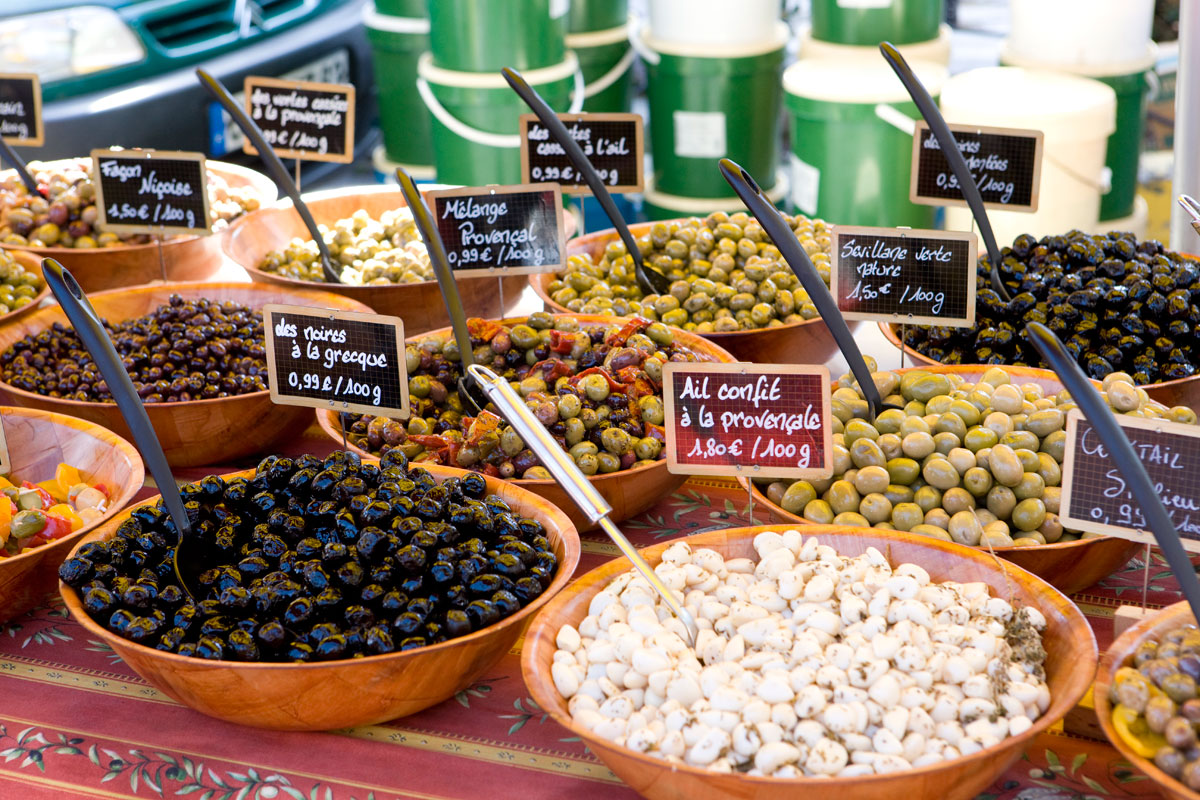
<point x="614" y="143"/>
<point x="1095" y="497"/>
<point x="151" y="191"/>
<point x="489" y="229"/>
<point x="760" y="420"/>
<point x="341" y="360"/>
<point x="302" y="119"/>
<point x="1006" y="164"/>
<point x="21" y="109"/>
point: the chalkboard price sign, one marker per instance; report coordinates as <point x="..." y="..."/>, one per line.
<point x="614" y="143"/>
<point x="302" y="119"/>
<point x="905" y="276"/>
<point x="21" y="109"/>
<point x="1006" y="164"/>
<point x="517" y="229"/>
<point x="1095" y="497"/>
<point x="762" y="420"/>
<point x="151" y="191"/>
<point x="336" y="359"/>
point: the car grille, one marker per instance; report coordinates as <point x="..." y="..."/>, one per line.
<point x="194" y="26"/>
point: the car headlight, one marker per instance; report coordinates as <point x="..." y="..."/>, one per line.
<point x="68" y="42"/>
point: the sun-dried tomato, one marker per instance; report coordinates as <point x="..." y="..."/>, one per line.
<point x="613" y="384"/>
<point x="551" y="370"/>
<point x="621" y="336"/>
<point x="561" y="342"/>
<point x="483" y="329"/>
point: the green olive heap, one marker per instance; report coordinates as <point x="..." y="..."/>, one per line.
<point x="370" y="252"/>
<point x="978" y="464"/>
<point x="64" y="213"/>
<point x="726" y="275"/>
<point x="317" y="560"/>
<point x="596" y="388"/>
<point x="18" y="286"/>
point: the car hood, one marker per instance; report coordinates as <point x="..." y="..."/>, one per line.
<point x="12" y="8"/>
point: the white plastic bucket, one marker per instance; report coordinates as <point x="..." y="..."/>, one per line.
<point x="1079" y="32"/>
<point x="713" y="22"/>
<point x="1136" y="223"/>
<point x="1075" y="114"/>
<point x="936" y="50"/>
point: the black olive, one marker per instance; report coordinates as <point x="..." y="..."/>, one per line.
<point x="210" y="647"/>
<point x="378" y="640"/>
<point x="413" y="642"/>
<point x="506" y="603"/>
<point x="299" y="651"/>
<point x="328" y="600"/>
<point x="334" y="551"/>
<point x="76" y="571"/>
<point x="171" y="639"/>
<point x="98" y="600"/>
<point x="242" y="646"/>
<point x="407" y="624"/>
<point x="527" y="589"/>
<point x="442" y="572"/>
<point x="357" y="615"/>
<point x="482" y="613"/>
<point x="457" y="623"/>
<point x="350" y="574"/>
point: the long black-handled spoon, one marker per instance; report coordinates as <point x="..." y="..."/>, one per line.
<point x="1123" y="455"/>
<point x="95" y="338"/>
<point x="18" y="164"/>
<point x="278" y="172"/>
<point x="649" y="280"/>
<point x="777" y="228"/>
<point x="958" y="164"/>
<point x="467" y="389"/>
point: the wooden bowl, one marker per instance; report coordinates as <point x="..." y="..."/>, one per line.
<point x="1179" y="392"/>
<point x="629" y="491"/>
<point x="195" y="432"/>
<point x="1120" y="654"/>
<point x="418" y="304"/>
<point x="807" y="342"/>
<point x="351" y="692"/>
<point x="1070" y="665"/>
<point x="183" y="258"/>
<point x="33" y="264"/>
<point x="1068" y="566"/>
<point x="37" y="442"/>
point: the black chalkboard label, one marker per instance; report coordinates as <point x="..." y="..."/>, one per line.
<point x="21" y="109"/>
<point x="614" y="143"/>
<point x="904" y="276"/>
<point x="341" y="360"/>
<point x="1006" y="164"/>
<point x="517" y="229"/>
<point x="151" y="191"/>
<point x="1095" y="497"/>
<point x="302" y="119"/>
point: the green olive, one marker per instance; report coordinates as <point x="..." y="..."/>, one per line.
<point x="940" y="473"/>
<point x="875" y="507"/>
<point x="965" y="529"/>
<point x="977" y="481"/>
<point x="865" y="452"/>
<point x="957" y="499"/>
<point x="897" y="494"/>
<point x="569" y="406"/>
<point x="819" y="511"/>
<point x="1001" y="501"/>
<point x="859" y="429"/>
<point x="1055" y="445"/>
<point x="932" y="531"/>
<point x="616" y="440"/>
<point x="588" y="463"/>
<point x="928" y="498"/>
<point x="797" y="496"/>
<point x="842" y="496"/>
<point x="906" y="516"/>
<point x="1029" y="514"/>
<point x="978" y="438"/>
<point x="871" y="479"/>
<point x="1005" y="466"/>
<point x="647" y="448"/>
<point x="1020" y="440"/>
<point x="917" y="445"/>
<point x="903" y="470"/>
<point x="1031" y="485"/>
<point x="595" y="386"/>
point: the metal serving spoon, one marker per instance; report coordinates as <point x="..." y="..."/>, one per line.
<point x="954" y="158"/>
<point x="278" y="172"/>
<point x="95" y="338"/>
<point x="563" y="468"/>
<point x="18" y="164"/>
<point x="649" y="279"/>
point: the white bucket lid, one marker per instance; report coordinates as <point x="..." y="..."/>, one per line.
<point x="386" y="22"/>
<point x="494" y="80"/>
<point x="1056" y="103"/>
<point x="781" y="33"/>
<point x="838" y="80"/>
<point x="1146" y="62"/>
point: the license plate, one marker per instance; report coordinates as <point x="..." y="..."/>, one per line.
<point x="224" y="134"/>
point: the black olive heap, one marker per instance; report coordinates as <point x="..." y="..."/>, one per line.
<point x="315" y="560"/>
<point x="183" y="350"/>
<point x="1118" y="304"/>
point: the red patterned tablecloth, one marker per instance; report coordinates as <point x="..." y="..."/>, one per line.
<point x="76" y="722"/>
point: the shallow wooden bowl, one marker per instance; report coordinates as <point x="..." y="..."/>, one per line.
<point x="807" y="342"/>
<point x="1179" y="392"/>
<point x="1120" y="654"/>
<point x="1068" y="566"/>
<point x="629" y="491"/>
<point x="37" y="442"/>
<point x="196" y="432"/>
<point x="34" y="264"/>
<point x="1070" y="665"/>
<point x="418" y="304"/>
<point x="183" y="258"/>
<point x="351" y="692"/>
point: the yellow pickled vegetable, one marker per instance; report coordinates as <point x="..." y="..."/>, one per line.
<point x="5" y="483"/>
<point x="53" y="489"/>
<point x="5" y="520"/>
<point x="66" y="512"/>
<point x="1131" y="727"/>
<point x="66" y="476"/>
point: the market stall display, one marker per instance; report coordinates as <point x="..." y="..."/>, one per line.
<point x="22" y="288"/>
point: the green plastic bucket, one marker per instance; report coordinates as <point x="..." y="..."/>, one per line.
<point x="705" y="105"/>
<point x="402" y="8"/>
<point x="475" y="138"/>
<point x="869" y="22"/>
<point x="849" y="166"/>
<point x="658" y="205"/>
<point x="396" y="44"/>
<point x="596" y="15"/>
<point x="488" y="35"/>
<point x="605" y="57"/>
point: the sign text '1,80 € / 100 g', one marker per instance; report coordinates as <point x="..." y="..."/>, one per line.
<point x="760" y="420"/>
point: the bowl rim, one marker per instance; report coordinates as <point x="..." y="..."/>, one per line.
<point x="35" y="400"/>
<point x="568" y="539"/>
<point x="117" y="504"/>
<point x="30" y="262"/>
<point x="597" y="578"/>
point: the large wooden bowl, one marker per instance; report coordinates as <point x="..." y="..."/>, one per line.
<point x="34" y="264"/>
<point x="351" y="692"/>
<point x="1070" y="665"/>
<point x="1120" y="654"/>
<point x="183" y="258"/>
<point x="629" y="491"/>
<point x="418" y="304"/>
<point x="37" y="442"/>
<point x="195" y="432"/>
<point x="807" y="342"/>
<point x="1179" y="392"/>
<point x="1068" y="566"/>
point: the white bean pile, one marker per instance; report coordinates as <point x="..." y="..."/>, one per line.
<point x="807" y="663"/>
